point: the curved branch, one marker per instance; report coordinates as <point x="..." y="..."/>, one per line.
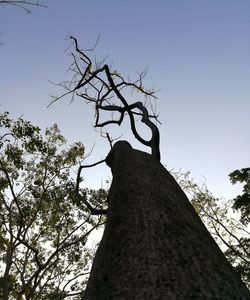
<point x="98" y="78"/>
<point x="155" y="139"/>
<point x="94" y="211"/>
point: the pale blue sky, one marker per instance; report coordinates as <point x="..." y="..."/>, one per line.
<point x="197" y="54"/>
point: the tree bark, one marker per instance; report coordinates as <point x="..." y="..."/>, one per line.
<point x="154" y="245"/>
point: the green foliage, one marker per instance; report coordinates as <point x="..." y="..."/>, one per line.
<point x="43" y="226"/>
<point x="242" y="202"/>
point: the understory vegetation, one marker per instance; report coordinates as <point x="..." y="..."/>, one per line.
<point x="45" y="224"/>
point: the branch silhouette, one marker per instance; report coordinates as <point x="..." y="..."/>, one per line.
<point x="23" y="4"/>
<point x="101" y="86"/>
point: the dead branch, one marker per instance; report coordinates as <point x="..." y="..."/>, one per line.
<point x="23" y="4"/>
<point x="82" y="198"/>
<point x="98" y="84"/>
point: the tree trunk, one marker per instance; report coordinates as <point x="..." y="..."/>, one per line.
<point x="154" y="245"/>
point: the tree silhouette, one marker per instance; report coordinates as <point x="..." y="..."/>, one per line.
<point x="154" y="244"/>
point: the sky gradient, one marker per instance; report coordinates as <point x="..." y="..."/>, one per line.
<point x="197" y="54"/>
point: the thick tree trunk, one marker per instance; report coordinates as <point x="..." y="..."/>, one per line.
<point x="154" y="245"/>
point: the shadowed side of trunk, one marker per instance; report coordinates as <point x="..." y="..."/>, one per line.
<point x="154" y="245"/>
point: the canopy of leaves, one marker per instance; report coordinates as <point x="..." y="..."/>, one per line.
<point x="242" y="202"/>
<point x="43" y="224"/>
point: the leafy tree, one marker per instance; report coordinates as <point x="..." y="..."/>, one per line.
<point x="231" y="233"/>
<point x="239" y="253"/>
<point x="43" y="223"/>
<point x="242" y="202"/>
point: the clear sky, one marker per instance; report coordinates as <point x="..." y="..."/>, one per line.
<point x="197" y="54"/>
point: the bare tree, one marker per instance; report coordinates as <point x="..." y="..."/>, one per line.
<point x="154" y="244"/>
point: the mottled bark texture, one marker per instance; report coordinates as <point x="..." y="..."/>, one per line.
<point x="154" y="245"/>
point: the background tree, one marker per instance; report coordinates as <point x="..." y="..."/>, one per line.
<point x="239" y="253"/>
<point x="230" y="231"/>
<point x="242" y="202"/>
<point x="43" y="224"/>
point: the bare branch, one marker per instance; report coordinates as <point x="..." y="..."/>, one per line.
<point x="97" y="83"/>
<point x="22" y="4"/>
<point x="107" y="136"/>
<point x="94" y="211"/>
